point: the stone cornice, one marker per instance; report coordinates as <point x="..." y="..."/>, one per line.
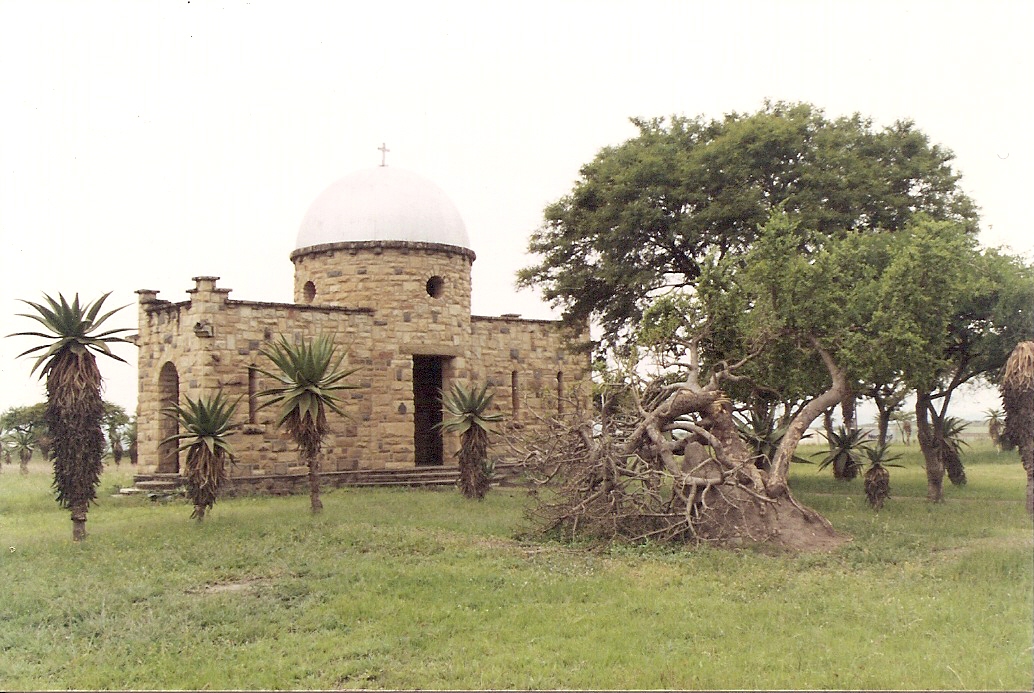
<point x="158" y="306"/>
<point x="512" y="318"/>
<point x="381" y="246"/>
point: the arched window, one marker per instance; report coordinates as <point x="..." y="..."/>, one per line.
<point x="168" y="396"/>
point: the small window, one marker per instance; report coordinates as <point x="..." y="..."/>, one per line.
<point x="515" y="396"/>
<point x="309" y="292"/>
<point x="435" y="286"/>
<point x="560" y="393"/>
<point x="252" y="394"/>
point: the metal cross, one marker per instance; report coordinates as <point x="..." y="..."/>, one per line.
<point x="383" y="149"/>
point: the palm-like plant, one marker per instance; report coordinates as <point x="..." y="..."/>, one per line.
<point x="845" y="446"/>
<point x="470" y="419"/>
<point x="23" y="443"/>
<point x="206" y="424"/>
<point x="131" y="436"/>
<point x="74" y="409"/>
<point x="764" y="439"/>
<point x="995" y="420"/>
<point x="309" y="376"/>
<point x="951" y="449"/>
<point x="115" y="440"/>
<point x="115" y="419"/>
<point x="877" y="477"/>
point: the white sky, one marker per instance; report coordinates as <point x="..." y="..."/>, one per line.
<point x="124" y="125"/>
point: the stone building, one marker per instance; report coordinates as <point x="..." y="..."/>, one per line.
<point x="382" y="262"/>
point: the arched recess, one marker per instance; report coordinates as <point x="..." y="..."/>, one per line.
<point x="168" y="396"/>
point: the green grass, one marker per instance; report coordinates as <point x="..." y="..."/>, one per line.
<point x="422" y="589"/>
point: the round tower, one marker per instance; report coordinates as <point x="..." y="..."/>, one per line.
<point x="389" y="239"/>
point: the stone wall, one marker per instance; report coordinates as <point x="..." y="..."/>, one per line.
<point x="213" y="342"/>
<point x="384" y="305"/>
<point x="535" y="367"/>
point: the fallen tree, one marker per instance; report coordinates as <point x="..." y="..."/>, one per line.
<point x="796" y="321"/>
<point x="671" y="466"/>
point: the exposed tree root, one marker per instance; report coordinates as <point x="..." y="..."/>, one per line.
<point x="628" y="478"/>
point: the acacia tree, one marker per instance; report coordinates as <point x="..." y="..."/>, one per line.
<point x="645" y="215"/>
<point x="800" y="312"/>
<point x="74" y="411"/>
<point x="825" y="306"/>
<point x="959" y="335"/>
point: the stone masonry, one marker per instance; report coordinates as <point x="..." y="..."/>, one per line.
<point x="394" y="307"/>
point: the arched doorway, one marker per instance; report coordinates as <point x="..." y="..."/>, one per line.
<point x="168" y="396"/>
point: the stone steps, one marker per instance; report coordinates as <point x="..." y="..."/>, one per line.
<point x="155" y="484"/>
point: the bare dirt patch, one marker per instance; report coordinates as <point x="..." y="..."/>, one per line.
<point x="244" y="585"/>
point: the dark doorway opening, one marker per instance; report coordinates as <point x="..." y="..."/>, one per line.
<point x="168" y="396"/>
<point x="427" y="410"/>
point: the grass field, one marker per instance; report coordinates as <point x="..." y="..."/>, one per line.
<point x="422" y="589"/>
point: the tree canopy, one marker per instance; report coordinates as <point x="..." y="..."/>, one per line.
<point x="645" y="215"/>
<point x="799" y="260"/>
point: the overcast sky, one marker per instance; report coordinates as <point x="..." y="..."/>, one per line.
<point x="145" y="143"/>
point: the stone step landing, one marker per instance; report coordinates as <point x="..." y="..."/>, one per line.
<point x="155" y="484"/>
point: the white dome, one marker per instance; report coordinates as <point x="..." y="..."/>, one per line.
<point x="382" y="204"/>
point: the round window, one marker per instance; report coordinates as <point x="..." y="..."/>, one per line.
<point x="309" y="291"/>
<point x="435" y="286"/>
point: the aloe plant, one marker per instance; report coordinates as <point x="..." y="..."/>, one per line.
<point x="844" y="453"/>
<point x="470" y="419"/>
<point x="951" y="449"/>
<point x="765" y="440"/>
<point x="309" y="378"/>
<point x="877" y="477"/>
<point x="75" y="410"/>
<point x="23" y="443"/>
<point x="207" y="424"/>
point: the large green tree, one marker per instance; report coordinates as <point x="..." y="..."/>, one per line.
<point x="806" y="314"/>
<point x="633" y="241"/>
<point x="821" y="308"/>
<point x="644" y="215"/>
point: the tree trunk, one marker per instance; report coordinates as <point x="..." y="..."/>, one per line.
<point x="927" y="435"/>
<point x="79" y="521"/>
<point x="314" y="484"/>
<point x="827" y="425"/>
<point x="883" y="424"/>
<point x="849" y="409"/>
<point x="199" y="513"/>
<point x="1027" y="457"/>
<point x="799" y="425"/>
<point x="474" y="482"/>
